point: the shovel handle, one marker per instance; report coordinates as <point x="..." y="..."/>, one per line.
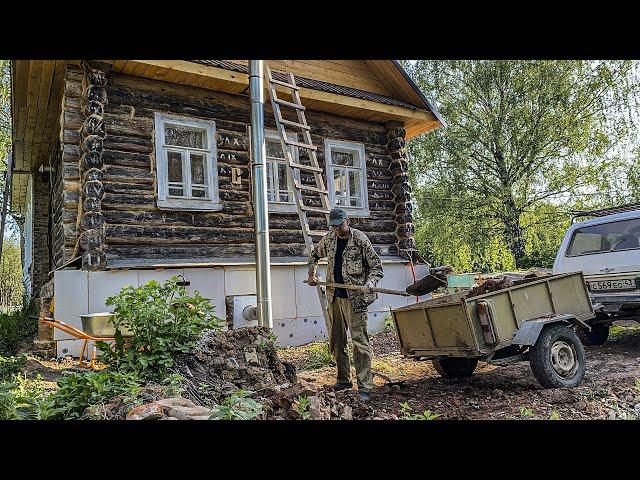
<point x="388" y="291"/>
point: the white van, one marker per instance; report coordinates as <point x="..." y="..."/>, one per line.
<point x="607" y="250"/>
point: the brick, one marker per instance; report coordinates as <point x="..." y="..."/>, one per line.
<point x="149" y="411"/>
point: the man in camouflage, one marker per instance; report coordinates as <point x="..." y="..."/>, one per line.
<point x="351" y="260"/>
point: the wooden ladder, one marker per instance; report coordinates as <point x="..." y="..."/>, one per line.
<point x="294" y="169"/>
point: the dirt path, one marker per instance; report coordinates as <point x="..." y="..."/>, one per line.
<point x="610" y="390"/>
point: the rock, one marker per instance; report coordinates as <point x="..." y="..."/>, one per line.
<point x="168" y="418"/>
<point x="347" y="413"/>
<point x="395" y="387"/>
<point x="581" y="405"/>
<point x="316" y="408"/>
<point x="149" y="411"/>
<point x="456" y="402"/>
<point x="251" y="356"/>
<point x="187" y="413"/>
<point x="174" y="402"/>
<point x="201" y="417"/>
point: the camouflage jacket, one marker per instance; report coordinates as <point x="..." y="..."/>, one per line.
<point x="360" y="263"/>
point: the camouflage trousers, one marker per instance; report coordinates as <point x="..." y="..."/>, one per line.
<point x="341" y="317"/>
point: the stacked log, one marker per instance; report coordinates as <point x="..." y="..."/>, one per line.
<point x="93" y="133"/>
<point x="401" y="191"/>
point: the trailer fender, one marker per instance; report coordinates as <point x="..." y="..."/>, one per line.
<point x="528" y="332"/>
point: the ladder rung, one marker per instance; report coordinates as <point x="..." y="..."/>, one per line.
<point x="301" y="186"/>
<point x="285" y="84"/>
<point x="316" y="233"/>
<point x="305" y="167"/>
<point x="301" y="145"/>
<point x="313" y="209"/>
<point x="289" y="104"/>
<point x="295" y="124"/>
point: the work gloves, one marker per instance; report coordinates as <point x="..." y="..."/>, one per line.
<point x="366" y="288"/>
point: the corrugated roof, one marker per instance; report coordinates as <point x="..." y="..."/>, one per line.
<point x="314" y="84"/>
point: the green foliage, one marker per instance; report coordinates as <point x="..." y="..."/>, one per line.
<point x="11" y="283"/>
<point x="554" y="415"/>
<point x="165" y="320"/>
<point x="16" y="328"/>
<point x="389" y="326"/>
<point x="9" y="366"/>
<point x="407" y="413"/>
<point x="319" y="356"/>
<point x="301" y="407"/>
<point x="78" y="391"/>
<point x="525" y="142"/>
<point x="526" y="412"/>
<point x="237" y="407"/>
<point x="23" y="399"/>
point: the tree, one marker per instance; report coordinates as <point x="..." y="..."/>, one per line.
<point x="519" y="135"/>
<point x="11" y="286"/>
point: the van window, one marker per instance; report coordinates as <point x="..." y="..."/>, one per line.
<point x="607" y="237"/>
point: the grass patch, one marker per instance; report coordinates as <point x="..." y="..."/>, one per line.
<point x="389" y="326"/>
<point x="319" y="356"/>
<point x="406" y="413"/>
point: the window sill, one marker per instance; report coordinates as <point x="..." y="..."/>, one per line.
<point x="193" y="205"/>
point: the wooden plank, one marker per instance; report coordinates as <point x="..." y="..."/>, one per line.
<point x="32" y="97"/>
<point x="46" y="79"/>
<point x="322" y="73"/>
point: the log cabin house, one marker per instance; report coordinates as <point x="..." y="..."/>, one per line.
<point x="132" y="170"/>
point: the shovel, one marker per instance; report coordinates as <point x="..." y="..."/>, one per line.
<point x="358" y="287"/>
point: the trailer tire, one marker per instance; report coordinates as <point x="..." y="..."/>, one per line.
<point x="597" y="336"/>
<point x="455" y="367"/>
<point x="557" y="359"/>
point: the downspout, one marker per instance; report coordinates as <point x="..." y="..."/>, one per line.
<point x="260" y="214"/>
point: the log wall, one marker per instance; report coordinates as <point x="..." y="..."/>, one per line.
<point x="134" y="227"/>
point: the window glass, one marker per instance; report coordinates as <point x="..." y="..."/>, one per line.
<point x="198" y="176"/>
<point x="342" y="158"/>
<point x="607" y="237"/>
<point x="278" y="189"/>
<point x="183" y="136"/>
<point x="175" y="166"/>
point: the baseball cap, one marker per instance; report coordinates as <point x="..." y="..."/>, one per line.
<point x="337" y="216"/>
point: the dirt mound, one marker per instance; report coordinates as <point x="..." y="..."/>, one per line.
<point x="224" y="362"/>
<point x="490" y="285"/>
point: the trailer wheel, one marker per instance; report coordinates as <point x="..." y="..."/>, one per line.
<point x="455" y="367"/>
<point x="597" y="336"/>
<point x="557" y="358"/>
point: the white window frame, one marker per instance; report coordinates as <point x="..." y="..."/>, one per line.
<point x="165" y="201"/>
<point x="276" y="206"/>
<point x="358" y="149"/>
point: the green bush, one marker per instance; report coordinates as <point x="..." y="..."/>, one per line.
<point x="78" y="391"/>
<point x="15" y="329"/>
<point x="23" y="399"/>
<point x="9" y="366"/>
<point x="319" y="356"/>
<point x="165" y="320"/>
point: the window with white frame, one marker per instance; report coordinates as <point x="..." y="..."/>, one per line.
<point x="347" y="176"/>
<point x="186" y="163"/>
<point x="279" y="188"/>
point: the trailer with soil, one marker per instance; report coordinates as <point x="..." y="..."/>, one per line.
<point x="533" y="320"/>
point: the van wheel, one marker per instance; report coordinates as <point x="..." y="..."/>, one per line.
<point x="455" y="367"/>
<point x="557" y="358"/>
<point x="597" y="336"/>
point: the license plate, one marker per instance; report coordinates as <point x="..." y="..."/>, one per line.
<point x="603" y="285"/>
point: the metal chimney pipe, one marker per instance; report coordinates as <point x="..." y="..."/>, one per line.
<point x="260" y="215"/>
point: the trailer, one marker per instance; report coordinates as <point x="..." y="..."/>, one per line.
<point x="532" y="321"/>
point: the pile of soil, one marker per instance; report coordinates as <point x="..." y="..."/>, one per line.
<point x="490" y="285"/>
<point x="224" y="362"/>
